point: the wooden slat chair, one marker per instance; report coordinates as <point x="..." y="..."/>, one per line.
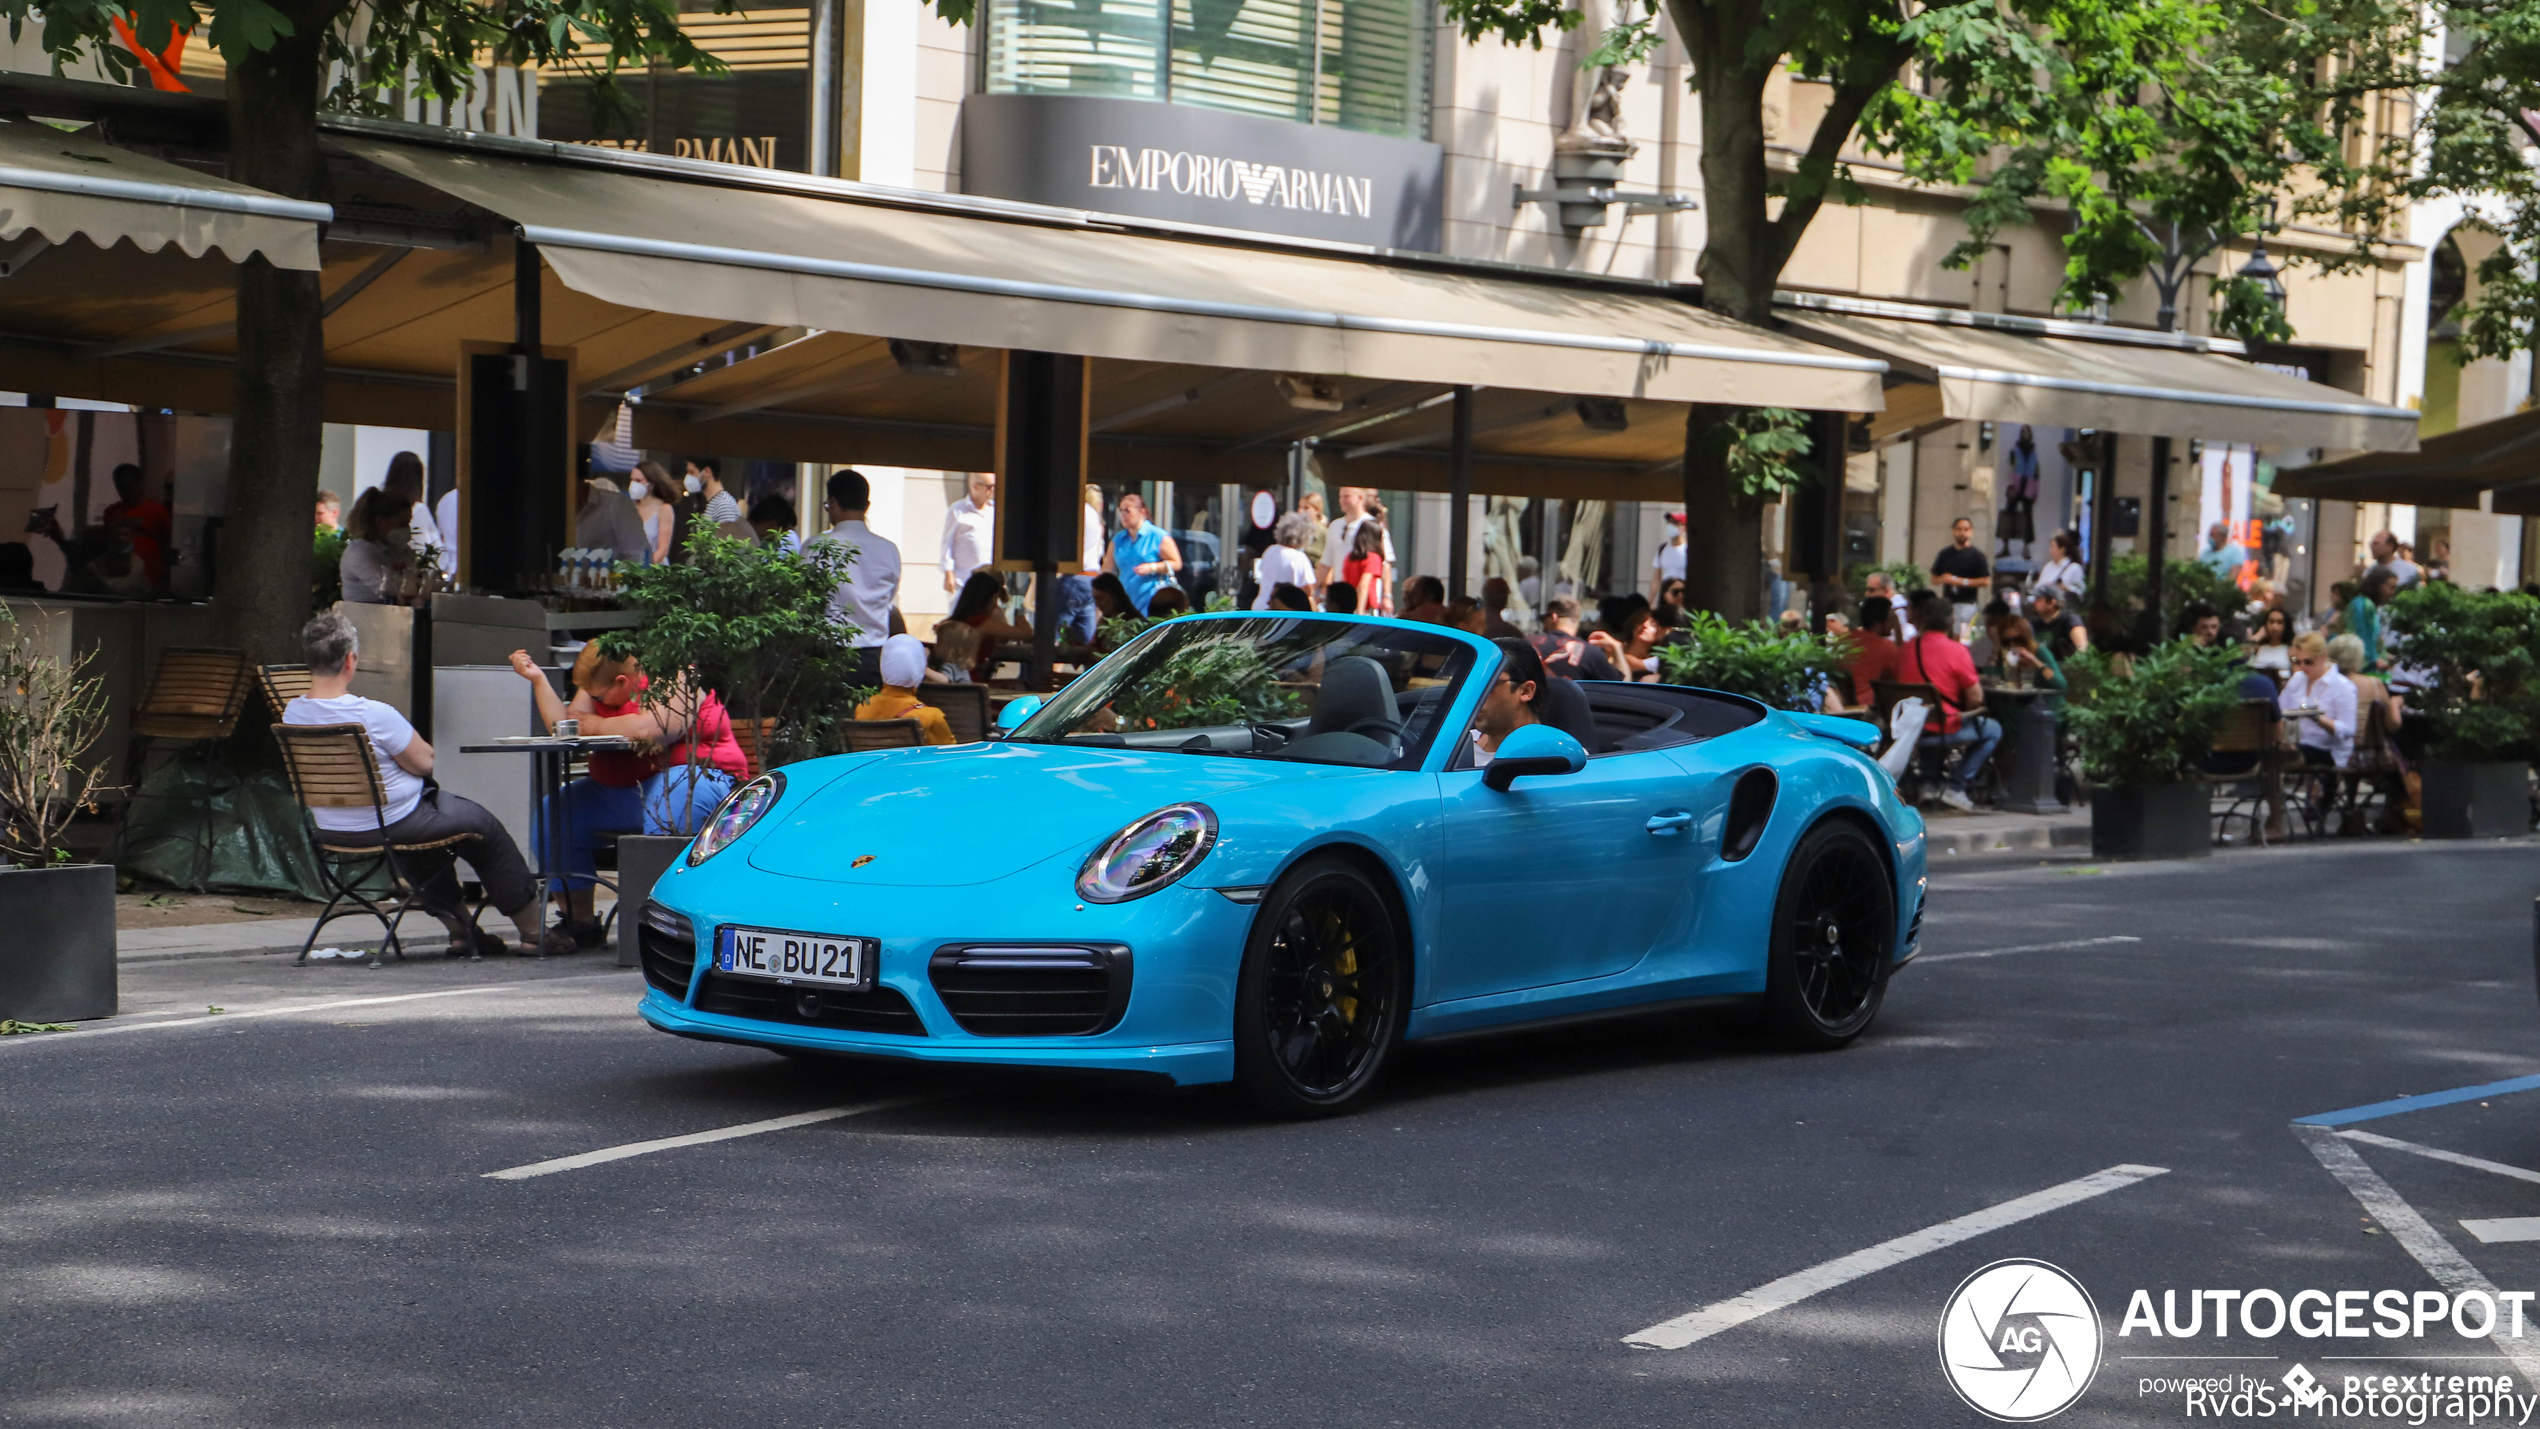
<point x="2247" y="733"/>
<point x="2372" y="776"/>
<point x="965" y="709"/>
<point x="193" y="701"/>
<point x="281" y="685"/>
<point x="752" y="736"/>
<point x="331" y="768"/>
<point x="869" y="734"/>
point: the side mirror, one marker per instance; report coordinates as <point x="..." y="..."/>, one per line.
<point x="1016" y="711"/>
<point x="1533" y="749"/>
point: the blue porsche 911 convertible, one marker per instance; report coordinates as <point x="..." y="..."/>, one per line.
<point x="1273" y="849"/>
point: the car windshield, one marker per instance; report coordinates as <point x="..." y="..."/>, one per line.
<point x="1320" y="690"/>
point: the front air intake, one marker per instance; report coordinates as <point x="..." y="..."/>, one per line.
<point x="666" y="944"/>
<point x="1039" y="990"/>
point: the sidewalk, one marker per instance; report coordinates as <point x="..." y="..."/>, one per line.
<point x="1951" y="834"/>
<point x="217" y="926"/>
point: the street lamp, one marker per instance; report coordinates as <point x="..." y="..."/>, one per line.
<point x="2261" y="270"/>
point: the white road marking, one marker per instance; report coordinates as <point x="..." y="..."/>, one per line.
<point x="700" y="1138"/>
<point x="233" y="1014"/>
<point x="2437" y="1153"/>
<point x="2412" y="1232"/>
<point x="1710" y="1320"/>
<point x="2026" y="948"/>
<point x="2504" y="1230"/>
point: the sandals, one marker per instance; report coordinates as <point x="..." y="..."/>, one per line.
<point x="483" y="945"/>
<point x="554" y="943"/>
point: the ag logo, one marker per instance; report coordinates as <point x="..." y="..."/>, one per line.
<point x="2019" y="1340"/>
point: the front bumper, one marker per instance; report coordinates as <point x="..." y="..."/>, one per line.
<point x="1186" y="946"/>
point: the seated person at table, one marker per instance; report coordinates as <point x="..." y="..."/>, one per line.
<point x="977" y="625"/>
<point x="2324" y="730"/>
<point x="1935" y="658"/>
<point x="417" y="810"/>
<point x="2018" y="659"/>
<point x="903" y="670"/>
<point x="651" y="789"/>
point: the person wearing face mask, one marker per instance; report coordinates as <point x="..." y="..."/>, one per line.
<point x="705" y="479"/>
<point x="651" y="488"/>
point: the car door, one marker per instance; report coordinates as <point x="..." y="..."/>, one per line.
<point x="1560" y="877"/>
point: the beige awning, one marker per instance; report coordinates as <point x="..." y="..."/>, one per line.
<point x="72" y="185"/>
<point x="2115" y="382"/>
<point x="2452" y="469"/>
<point x="844" y="258"/>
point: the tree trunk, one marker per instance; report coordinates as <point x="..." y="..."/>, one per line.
<point x="1739" y="264"/>
<point x="262" y="594"/>
<point x="1724" y="527"/>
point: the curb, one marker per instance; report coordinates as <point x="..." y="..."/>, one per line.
<point x="1943" y="842"/>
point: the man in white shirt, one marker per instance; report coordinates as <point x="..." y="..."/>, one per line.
<point x="970" y="531"/>
<point x="415" y="811"/>
<point x="1669" y="563"/>
<point x="2326" y="731"/>
<point x="1879" y="587"/>
<point x="1340" y="535"/>
<point x="865" y="597"/>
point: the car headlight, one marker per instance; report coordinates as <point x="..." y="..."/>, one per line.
<point x="1148" y="855"/>
<point x="743" y="809"/>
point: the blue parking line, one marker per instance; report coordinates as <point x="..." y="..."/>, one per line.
<point x="2378" y="1110"/>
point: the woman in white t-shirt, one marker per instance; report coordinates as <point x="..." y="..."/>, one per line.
<point x="2062" y="567"/>
<point x="379" y="555"/>
<point x="1285" y="563"/>
<point x="414" y="811"/>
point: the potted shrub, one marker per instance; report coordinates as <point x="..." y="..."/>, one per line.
<point x="2482" y="708"/>
<point x="57" y="963"/>
<point x="749" y="622"/>
<point x="1787" y="671"/>
<point x="2144" y="723"/>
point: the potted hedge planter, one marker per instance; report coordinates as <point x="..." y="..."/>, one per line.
<point x="57" y="962"/>
<point x="641" y="861"/>
<point x="2151" y="821"/>
<point x="2144" y="724"/>
<point x="2482" y="799"/>
<point x="2483" y="707"/>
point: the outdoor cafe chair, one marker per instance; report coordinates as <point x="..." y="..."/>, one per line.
<point x="2371" y="788"/>
<point x="965" y="709"/>
<point x="193" y="701"/>
<point x="331" y="767"/>
<point x="2248" y="731"/>
<point x="863" y="735"/>
<point x="281" y="685"/>
<point x="751" y="735"/>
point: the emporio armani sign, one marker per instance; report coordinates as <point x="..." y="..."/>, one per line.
<point x="1216" y="176"/>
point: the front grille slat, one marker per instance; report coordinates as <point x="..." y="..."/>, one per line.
<point x="1072" y="990"/>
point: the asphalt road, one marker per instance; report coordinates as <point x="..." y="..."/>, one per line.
<point x="285" y="1219"/>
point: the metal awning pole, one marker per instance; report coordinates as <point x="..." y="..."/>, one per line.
<point x="1459" y="516"/>
<point x="2156" y="532"/>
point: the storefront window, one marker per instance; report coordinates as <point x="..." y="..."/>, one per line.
<point x="756" y="114"/>
<point x="1353" y="64"/>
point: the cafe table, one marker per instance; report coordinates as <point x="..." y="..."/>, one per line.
<point x="550" y="765"/>
<point x="2027" y="760"/>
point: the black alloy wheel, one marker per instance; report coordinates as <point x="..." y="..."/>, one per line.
<point x="1834" y="935"/>
<point x="1325" y="986"/>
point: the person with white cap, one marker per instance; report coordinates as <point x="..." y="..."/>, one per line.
<point x="903" y="670"/>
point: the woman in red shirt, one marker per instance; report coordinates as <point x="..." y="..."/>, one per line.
<point x="686" y="762"/>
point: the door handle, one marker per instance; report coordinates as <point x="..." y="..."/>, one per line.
<point x="1669" y="823"/>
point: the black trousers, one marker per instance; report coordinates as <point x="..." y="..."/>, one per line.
<point x="488" y="848"/>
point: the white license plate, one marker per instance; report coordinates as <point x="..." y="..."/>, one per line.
<point x="775" y="955"/>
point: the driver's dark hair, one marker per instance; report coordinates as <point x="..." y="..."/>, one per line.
<point x="1525" y="667"/>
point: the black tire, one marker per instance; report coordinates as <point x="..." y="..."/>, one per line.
<point x="1323" y="993"/>
<point x="1833" y="937"/>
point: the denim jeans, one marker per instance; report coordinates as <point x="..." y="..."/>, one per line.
<point x="1977" y="733"/>
<point x="1076" y="613"/>
<point x="667" y="803"/>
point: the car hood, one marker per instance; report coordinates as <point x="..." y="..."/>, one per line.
<point x="951" y="817"/>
